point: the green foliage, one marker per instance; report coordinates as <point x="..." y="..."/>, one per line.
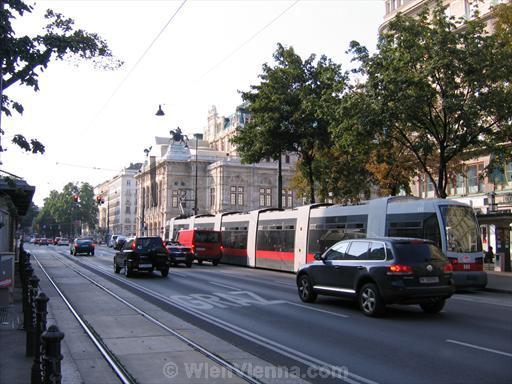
<point x="28" y="219"/>
<point x="441" y="89"/>
<point x="62" y="212"/>
<point x="291" y="110"/>
<point x="22" y="58"/>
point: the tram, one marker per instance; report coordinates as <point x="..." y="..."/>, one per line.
<point x="286" y="239"/>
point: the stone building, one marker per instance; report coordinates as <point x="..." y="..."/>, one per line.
<point x="117" y="202"/>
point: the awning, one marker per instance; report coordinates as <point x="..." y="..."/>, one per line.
<point x="498" y="218"/>
<point x="18" y="191"/>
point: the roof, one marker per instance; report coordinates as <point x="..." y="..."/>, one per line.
<point x="19" y="192"/>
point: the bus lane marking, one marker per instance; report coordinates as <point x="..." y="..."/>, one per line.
<point x="225" y="286"/>
<point x="317" y="309"/>
<point x="223" y="300"/>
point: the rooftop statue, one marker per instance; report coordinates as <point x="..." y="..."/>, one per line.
<point x="179" y="137"/>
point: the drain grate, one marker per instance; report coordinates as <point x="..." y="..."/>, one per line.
<point x="4" y="311"/>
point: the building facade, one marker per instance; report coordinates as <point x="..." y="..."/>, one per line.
<point x="118" y="203"/>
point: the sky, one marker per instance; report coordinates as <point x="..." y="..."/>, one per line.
<point x="94" y="122"/>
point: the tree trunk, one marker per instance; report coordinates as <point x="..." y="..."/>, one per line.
<point x="311" y="181"/>
<point x="441" y="181"/>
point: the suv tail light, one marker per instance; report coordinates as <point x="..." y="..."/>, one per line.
<point x="399" y="269"/>
<point x="448" y="268"/>
<point x="134" y="245"/>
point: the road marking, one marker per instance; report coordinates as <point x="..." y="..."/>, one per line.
<point x="478" y="347"/>
<point x="481" y="300"/>
<point x="316" y="309"/>
<point x="225" y="286"/>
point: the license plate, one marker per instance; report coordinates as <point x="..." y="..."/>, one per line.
<point x="429" y="279"/>
<point x="467" y="266"/>
<point x="145" y="265"/>
<point x="179" y="258"/>
<point x="201" y="249"/>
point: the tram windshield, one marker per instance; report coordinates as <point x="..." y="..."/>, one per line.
<point x="462" y="233"/>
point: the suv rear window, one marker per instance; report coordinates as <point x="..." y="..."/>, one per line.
<point x="207" y="237"/>
<point x="418" y="252"/>
<point x="84" y="241"/>
<point x="150" y="244"/>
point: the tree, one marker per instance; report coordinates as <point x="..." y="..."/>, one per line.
<point x="441" y="87"/>
<point x="290" y="111"/>
<point x="28" y="220"/>
<point x="22" y="58"/>
<point x="68" y="209"/>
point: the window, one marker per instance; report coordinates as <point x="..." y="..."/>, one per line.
<point x="337" y="252"/>
<point x="377" y="251"/>
<point x="232" y="195"/>
<point x="287" y="159"/>
<point x="236" y="195"/>
<point x="414" y="225"/>
<point x="241" y="195"/>
<point x="174" y="199"/>
<point x="234" y="235"/>
<point x="475" y="179"/>
<point x="287" y="199"/>
<point x="358" y="251"/>
<point x="128" y="182"/>
<point x="276" y="235"/>
<point x="212" y="197"/>
<point x="128" y="210"/>
<point x="265" y="197"/>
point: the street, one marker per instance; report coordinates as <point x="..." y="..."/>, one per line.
<point x="260" y="312"/>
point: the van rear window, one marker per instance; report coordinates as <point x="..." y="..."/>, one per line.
<point x="207" y="237"/>
<point x="418" y="252"/>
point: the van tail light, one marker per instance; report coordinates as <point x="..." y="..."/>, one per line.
<point x="193" y="248"/>
<point x="448" y="268"/>
<point x="399" y="269"/>
<point x="164" y="247"/>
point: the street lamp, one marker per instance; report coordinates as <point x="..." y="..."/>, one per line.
<point x="198" y="137"/>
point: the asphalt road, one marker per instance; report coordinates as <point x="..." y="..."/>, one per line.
<point x="260" y="312"/>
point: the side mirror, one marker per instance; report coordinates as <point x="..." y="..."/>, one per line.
<point x="318" y="256"/>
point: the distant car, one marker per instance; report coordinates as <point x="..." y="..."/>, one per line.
<point x="179" y="254"/>
<point x="380" y="271"/>
<point x="142" y="254"/>
<point x="63" y="241"/>
<point x="81" y="246"/>
<point x="112" y="241"/>
<point x="43" y="241"/>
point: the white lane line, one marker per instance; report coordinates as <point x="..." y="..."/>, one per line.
<point x="225" y="286"/>
<point x="478" y="347"/>
<point x="316" y="309"/>
<point x="481" y="301"/>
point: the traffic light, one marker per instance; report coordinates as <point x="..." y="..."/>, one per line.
<point x="76" y="198"/>
<point x="99" y="200"/>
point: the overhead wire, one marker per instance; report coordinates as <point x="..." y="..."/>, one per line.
<point x="105" y="105"/>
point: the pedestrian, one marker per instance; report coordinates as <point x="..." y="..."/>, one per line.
<point x="489" y="255"/>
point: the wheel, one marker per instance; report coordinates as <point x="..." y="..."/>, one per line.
<point x="117" y="268"/>
<point x="370" y="301"/>
<point x="189" y="264"/>
<point x="70" y="252"/>
<point x="306" y="292"/>
<point x="92" y="253"/>
<point x="199" y="262"/>
<point x="164" y="272"/>
<point x="434" y="306"/>
<point x="75" y="253"/>
<point x="128" y="271"/>
<point x="215" y="262"/>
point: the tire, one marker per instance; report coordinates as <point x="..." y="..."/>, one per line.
<point x="306" y="292"/>
<point x="434" y="306"/>
<point x="215" y="262"/>
<point x="370" y="301"/>
<point x="127" y="271"/>
<point x="92" y="253"/>
<point x="189" y="264"/>
<point x="199" y="262"/>
<point x="117" y="268"/>
<point x="164" y="272"/>
<point x="75" y="253"/>
<point x="70" y="252"/>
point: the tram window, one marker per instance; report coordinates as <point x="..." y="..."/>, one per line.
<point x="276" y="236"/>
<point x="234" y="235"/>
<point x="414" y="225"/>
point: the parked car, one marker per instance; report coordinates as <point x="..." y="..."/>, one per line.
<point x="81" y="246"/>
<point x="205" y="244"/>
<point x="142" y="254"/>
<point x="179" y="254"/>
<point x="43" y="241"/>
<point x="380" y="271"/>
<point x="112" y="240"/>
<point x="63" y="241"/>
<point x="56" y="241"/>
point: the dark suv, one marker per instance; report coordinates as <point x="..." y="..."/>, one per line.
<point x="380" y="271"/>
<point x="142" y="254"/>
<point x="179" y="254"/>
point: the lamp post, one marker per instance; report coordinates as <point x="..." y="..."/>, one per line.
<point x="197" y="136"/>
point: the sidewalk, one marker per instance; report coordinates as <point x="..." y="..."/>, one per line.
<point x="499" y="282"/>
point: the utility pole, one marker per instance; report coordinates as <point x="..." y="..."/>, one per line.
<point x="197" y="136"/>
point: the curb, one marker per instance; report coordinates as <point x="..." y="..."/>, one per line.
<point x="496" y="290"/>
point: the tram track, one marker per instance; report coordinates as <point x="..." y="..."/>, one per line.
<point x="121" y="372"/>
<point x="295" y="355"/>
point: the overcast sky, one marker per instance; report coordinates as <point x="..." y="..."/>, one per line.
<point x="203" y="58"/>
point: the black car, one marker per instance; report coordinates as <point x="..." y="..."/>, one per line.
<point x="378" y="272"/>
<point x="81" y="246"/>
<point x="142" y="254"/>
<point x="180" y="254"/>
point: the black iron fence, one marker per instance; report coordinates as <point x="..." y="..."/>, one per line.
<point x="42" y="342"/>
